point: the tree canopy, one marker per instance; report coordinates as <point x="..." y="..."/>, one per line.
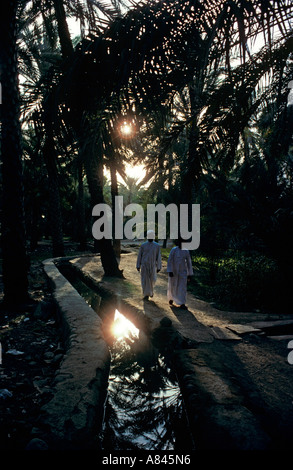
<point x="205" y="85"/>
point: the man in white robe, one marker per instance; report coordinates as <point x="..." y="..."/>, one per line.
<point x="149" y="264"/>
<point x="179" y="267"/>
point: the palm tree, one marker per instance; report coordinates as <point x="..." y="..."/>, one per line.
<point x="222" y="97"/>
<point x="160" y="48"/>
<point x="15" y="261"/>
<point x="48" y="112"/>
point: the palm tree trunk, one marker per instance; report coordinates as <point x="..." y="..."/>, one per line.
<point x="193" y="168"/>
<point x="94" y="171"/>
<point x="114" y="193"/>
<point x="63" y="31"/>
<point x="81" y="229"/>
<point x="56" y="220"/>
<point x="15" y="260"/>
<point x="192" y="171"/>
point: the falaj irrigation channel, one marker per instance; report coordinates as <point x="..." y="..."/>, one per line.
<point x="144" y="409"/>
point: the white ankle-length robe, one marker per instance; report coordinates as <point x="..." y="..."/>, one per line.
<point x="179" y="263"/>
<point x="149" y="261"/>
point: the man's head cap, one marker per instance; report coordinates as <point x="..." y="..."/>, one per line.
<point x="151" y="235"/>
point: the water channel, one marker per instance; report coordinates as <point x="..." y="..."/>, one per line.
<point x="144" y="408"/>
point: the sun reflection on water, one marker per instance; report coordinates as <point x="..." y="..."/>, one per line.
<point x="123" y="328"/>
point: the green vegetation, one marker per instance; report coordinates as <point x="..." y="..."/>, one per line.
<point x="241" y="283"/>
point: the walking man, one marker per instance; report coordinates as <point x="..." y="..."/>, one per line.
<point x="179" y="267"/>
<point x="149" y="263"/>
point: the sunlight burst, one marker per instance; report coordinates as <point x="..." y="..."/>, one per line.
<point x="123" y="328"/>
<point x="126" y="129"/>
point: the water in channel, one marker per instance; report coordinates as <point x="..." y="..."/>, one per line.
<point x="144" y="409"/>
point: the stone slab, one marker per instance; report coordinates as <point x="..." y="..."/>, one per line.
<point x="223" y="333"/>
<point x="243" y="329"/>
<point x="270" y="324"/>
<point x="281" y="337"/>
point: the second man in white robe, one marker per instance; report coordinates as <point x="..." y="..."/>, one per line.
<point x="179" y="267"/>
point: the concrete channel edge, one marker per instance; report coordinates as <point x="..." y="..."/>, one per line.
<point x="73" y="417"/>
